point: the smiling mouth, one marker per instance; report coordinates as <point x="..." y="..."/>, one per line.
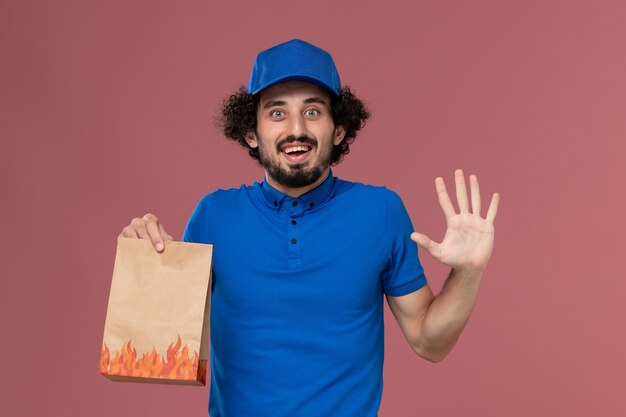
<point x="296" y="150"/>
<point x="295" y="153"/>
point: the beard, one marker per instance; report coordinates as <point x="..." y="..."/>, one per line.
<point x="296" y="176"/>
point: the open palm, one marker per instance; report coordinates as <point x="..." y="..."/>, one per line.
<point x="468" y="241"/>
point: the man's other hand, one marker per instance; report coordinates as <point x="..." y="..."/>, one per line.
<point x="468" y="241"/>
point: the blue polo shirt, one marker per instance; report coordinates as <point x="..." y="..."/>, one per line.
<point x="297" y="303"/>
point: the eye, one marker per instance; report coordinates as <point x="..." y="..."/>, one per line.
<point x="312" y="112"/>
<point x="277" y="114"/>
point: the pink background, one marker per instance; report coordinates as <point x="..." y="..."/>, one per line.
<point x="106" y="114"/>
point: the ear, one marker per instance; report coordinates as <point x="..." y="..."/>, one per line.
<point x="251" y="139"/>
<point x="340" y="133"/>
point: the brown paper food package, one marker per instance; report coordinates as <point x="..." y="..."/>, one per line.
<point x="157" y="322"/>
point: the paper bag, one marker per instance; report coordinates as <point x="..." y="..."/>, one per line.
<point x="157" y="322"/>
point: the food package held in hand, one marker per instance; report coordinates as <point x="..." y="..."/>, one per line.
<point x="157" y="322"/>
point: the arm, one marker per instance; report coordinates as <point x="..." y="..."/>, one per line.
<point x="432" y="325"/>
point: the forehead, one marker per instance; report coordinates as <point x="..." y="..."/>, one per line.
<point x="294" y="90"/>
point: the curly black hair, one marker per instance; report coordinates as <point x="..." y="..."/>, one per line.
<point x="239" y="116"/>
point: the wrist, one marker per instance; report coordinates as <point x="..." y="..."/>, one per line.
<point x="468" y="272"/>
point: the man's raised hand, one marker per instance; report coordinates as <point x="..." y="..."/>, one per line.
<point x="147" y="227"/>
<point x="469" y="238"/>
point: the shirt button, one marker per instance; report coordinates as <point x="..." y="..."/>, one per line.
<point x="275" y="203"/>
<point x="294" y="222"/>
<point x="311" y="204"/>
<point x="295" y="203"/>
<point x="294" y="241"/>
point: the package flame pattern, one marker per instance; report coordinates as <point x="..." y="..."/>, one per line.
<point x="176" y="366"/>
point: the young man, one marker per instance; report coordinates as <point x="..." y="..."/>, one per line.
<point x="302" y="260"/>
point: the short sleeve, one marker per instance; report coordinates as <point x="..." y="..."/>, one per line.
<point x="403" y="273"/>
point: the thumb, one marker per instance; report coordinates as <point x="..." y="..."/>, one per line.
<point x="424" y="241"/>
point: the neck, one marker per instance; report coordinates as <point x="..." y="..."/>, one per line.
<point x="297" y="192"/>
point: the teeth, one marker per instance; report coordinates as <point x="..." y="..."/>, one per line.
<point x="295" y="149"/>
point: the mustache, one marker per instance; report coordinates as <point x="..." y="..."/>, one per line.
<point x="291" y="139"/>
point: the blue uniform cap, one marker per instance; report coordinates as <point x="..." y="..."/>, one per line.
<point x="294" y="60"/>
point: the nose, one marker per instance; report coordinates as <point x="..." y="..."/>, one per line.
<point x="297" y="126"/>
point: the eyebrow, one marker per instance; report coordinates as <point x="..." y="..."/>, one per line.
<point x="315" y="100"/>
<point x="274" y="103"/>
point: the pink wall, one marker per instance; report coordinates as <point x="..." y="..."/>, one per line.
<point x="105" y="114"/>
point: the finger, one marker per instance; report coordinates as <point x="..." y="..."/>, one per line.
<point x="493" y="208"/>
<point x="152" y="226"/>
<point x="444" y="198"/>
<point x="139" y="225"/>
<point x="129" y="231"/>
<point x="425" y="242"/>
<point x="475" y="195"/>
<point x="461" y="191"/>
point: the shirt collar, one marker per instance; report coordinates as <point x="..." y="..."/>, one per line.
<point x="310" y="199"/>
